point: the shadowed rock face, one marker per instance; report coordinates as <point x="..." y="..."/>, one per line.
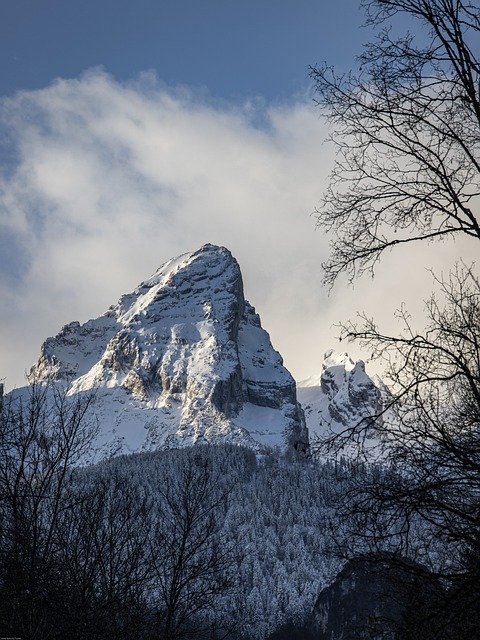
<point x="182" y="359"/>
<point x="376" y="598"/>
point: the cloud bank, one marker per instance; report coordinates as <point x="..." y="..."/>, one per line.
<point x="102" y="182"/>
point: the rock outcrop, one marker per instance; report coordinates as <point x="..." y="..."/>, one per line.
<point x="182" y="359"/>
<point x="342" y="396"/>
<point x="377" y="598"/>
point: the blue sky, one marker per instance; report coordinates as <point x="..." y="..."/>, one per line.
<point x="132" y="132"/>
<point x="234" y="48"/>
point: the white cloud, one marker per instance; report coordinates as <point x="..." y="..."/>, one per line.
<point x="111" y="180"/>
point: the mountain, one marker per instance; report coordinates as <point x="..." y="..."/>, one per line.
<point x="183" y="359"/>
<point x="341" y="396"/>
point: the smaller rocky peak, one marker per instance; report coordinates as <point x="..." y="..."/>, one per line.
<point x="73" y="351"/>
<point x="336" y="368"/>
<point x="341" y="396"/>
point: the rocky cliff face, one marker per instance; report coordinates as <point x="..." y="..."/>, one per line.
<point x="377" y="598"/>
<point x="341" y="396"/>
<point x="180" y="360"/>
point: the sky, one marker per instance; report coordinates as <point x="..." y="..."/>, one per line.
<point x="132" y="132"/>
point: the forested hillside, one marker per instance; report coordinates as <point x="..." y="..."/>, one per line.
<point x="210" y="540"/>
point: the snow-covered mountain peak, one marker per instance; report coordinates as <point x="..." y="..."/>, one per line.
<point x="211" y="269"/>
<point x="182" y="359"/>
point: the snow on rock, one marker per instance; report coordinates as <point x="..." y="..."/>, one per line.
<point x="341" y="396"/>
<point x="181" y="360"/>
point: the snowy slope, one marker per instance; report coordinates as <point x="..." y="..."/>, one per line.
<point x="182" y="359"/>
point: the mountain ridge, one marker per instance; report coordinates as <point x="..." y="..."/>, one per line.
<point x="183" y="359"/>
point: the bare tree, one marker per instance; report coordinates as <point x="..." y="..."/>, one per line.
<point x="406" y="128"/>
<point x="193" y="562"/>
<point x="42" y="434"/>
<point x="420" y="497"/>
<point x="103" y="556"/>
<point x="407" y="131"/>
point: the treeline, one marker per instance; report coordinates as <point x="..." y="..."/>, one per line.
<point x="202" y="542"/>
<point x="208" y="541"/>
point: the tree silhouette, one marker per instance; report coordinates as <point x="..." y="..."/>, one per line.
<point x="407" y="132"/>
